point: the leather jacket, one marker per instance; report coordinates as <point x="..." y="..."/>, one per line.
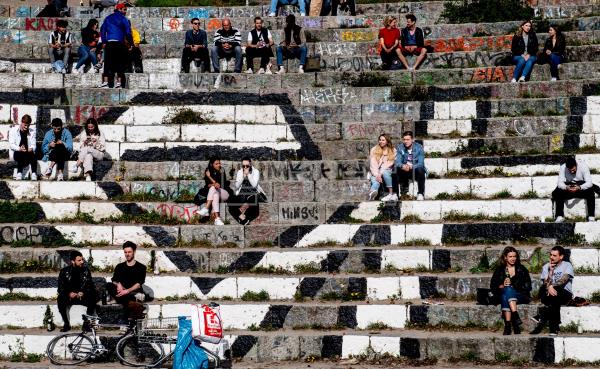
<point x="64" y="280"/>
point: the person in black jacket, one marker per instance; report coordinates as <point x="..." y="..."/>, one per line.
<point x="412" y="41"/>
<point x="259" y="45"/>
<point x="195" y="48"/>
<point x="512" y="284"/>
<point x="215" y="191"/>
<point x="75" y="287"/>
<point x="524" y="50"/>
<point x="554" y="51"/>
<point x="87" y="52"/>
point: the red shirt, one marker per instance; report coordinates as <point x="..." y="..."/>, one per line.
<point x="389" y="36"/>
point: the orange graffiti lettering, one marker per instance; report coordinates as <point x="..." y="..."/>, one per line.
<point x="213" y="25"/>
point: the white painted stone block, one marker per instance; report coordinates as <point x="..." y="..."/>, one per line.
<point x="591" y="123"/>
<point x="23" y="189"/>
<point x="112" y="151"/>
<point x="164" y="264"/>
<point x="266" y="114"/>
<point x="8" y="343"/>
<point x="59" y="210"/>
<point x="113" y="132"/>
<point x="410" y="288"/>
<point x="581" y="349"/>
<point x="383" y="288"/>
<point x="366" y="211"/>
<point x="144" y="115"/>
<point x="289" y="259"/>
<point x="86" y="233"/>
<point x="386" y="345"/>
<point x="278" y="288"/>
<point x="169" y="286"/>
<point x="487" y="187"/>
<point x="405" y="259"/>
<point x="438" y="166"/>
<point x="354" y="345"/>
<point x="437" y="186"/>
<point x="45" y="292"/>
<point x="36" y="344"/>
<point x="58" y="190"/>
<point x="471" y="207"/>
<point x="587" y="258"/>
<point x="398" y="234"/>
<point x="463" y="109"/>
<point x="586" y="316"/>
<point x="441" y="110"/>
<point x="593" y="105"/>
<point x="440" y="126"/>
<point x="243" y="316"/>
<point x="588" y="140"/>
<point x="266" y="133"/>
<point x="591" y="230"/>
<point x="341" y="233"/>
<point x="216" y="113"/>
<point x="5" y="114"/>
<point x="585" y="285"/>
<point x="532" y="209"/>
<point x="48" y="80"/>
<point x="394" y="316"/>
<point x="152" y="133"/>
<point x="544" y="185"/>
<point x="444" y="146"/>
<point x="208" y="132"/>
<point x="431" y="232"/>
<point x="137" y="234"/>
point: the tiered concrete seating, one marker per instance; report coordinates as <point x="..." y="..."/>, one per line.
<point x="322" y="273"/>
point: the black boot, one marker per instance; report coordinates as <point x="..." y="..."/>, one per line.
<point x="516" y="322"/>
<point x="553" y="328"/>
<point x="538" y="328"/>
<point x="507" y="328"/>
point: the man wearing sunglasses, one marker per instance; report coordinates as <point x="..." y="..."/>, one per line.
<point x="195" y="48"/>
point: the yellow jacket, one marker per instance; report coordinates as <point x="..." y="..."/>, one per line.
<point x="136" y="36"/>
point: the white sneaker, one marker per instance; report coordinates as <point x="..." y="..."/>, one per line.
<point x="217" y="82"/>
<point x="103" y="85"/>
<point x="281" y="70"/>
<point x="303" y="14"/>
<point x="91" y="70"/>
<point x="372" y="195"/>
<point x="386" y="197"/>
<point x="223" y="65"/>
<point x="522" y="79"/>
<point x="34" y="177"/>
<point x="268" y="69"/>
<point x="261" y="71"/>
<point x="63" y="71"/>
<point x="219" y="222"/>
<point x="48" y="173"/>
<point x="552" y="79"/>
<point x="301" y="69"/>
<point x="75" y="71"/>
<point x="513" y="80"/>
<point x="248" y="71"/>
<point x="271" y="14"/>
<point x="393" y="197"/>
<point x="18" y="176"/>
<point x="59" y="177"/>
<point x="591" y="219"/>
<point x="88" y="178"/>
<point x="204" y="212"/>
<point x="559" y="219"/>
<point x="420" y="197"/>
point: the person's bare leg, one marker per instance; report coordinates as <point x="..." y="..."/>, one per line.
<point x="420" y="58"/>
<point x="402" y="58"/>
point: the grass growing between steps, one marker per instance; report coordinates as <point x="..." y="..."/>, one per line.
<point x="29" y="266"/>
<point x="457" y="216"/>
<point x="20" y="212"/>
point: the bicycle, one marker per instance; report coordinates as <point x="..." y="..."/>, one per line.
<point x="138" y="346"/>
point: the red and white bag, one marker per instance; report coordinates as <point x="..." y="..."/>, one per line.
<point x="206" y="323"/>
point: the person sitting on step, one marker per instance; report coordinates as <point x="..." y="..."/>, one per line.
<point x="22" y="144"/>
<point x="350" y="5"/>
<point x="195" y="48"/>
<point x="92" y="146"/>
<point x="248" y="194"/>
<point x="574" y="182"/>
<point x="215" y="191"/>
<point x="381" y="163"/>
<point x="512" y="284"/>
<point x="277" y="3"/>
<point x="556" y="290"/>
<point x="88" y="50"/>
<point x="412" y="41"/>
<point x="227" y="44"/>
<point x="57" y="148"/>
<point x="126" y="283"/>
<point x="259" y="45"/>
<point x="75" y="287"/>
<point x="554" y="51"/>
<point x="410" y="165"/>
<point x="293" y="45"/>
<point x="59" y="47"/>
<point x="389" y="40"/>
<point x="524" y="50"/>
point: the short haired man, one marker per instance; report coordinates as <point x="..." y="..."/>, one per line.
<point x="127" y="281"/>
<point x="22" y="141"/>
<point x="57" y="147"/>
<point x="259" y="45"/>
<point x="574" y="182"/>
<point x="195" y="48"/>
<point x="413" y="41"/>
<point x="59" y="47"/>
<point x="410" y="165"/>
<point x="556" y="290"/>
<point x="228" y="43"/>
<point x="116" y="35"/>
<point x="75" y="287"/>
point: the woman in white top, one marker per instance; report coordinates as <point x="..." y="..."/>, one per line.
<point x="92" y="145"/>
<point x="248" y="193"/>
<point x="381" y="162"/>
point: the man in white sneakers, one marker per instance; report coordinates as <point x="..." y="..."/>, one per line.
<point x="259" y="45"/>
<point x="574" y="182"/>
<point x="22" y="147"/>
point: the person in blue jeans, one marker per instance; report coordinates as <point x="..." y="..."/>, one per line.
<point x="524" y="51"/>
<point x="554" y="50"/>
<point x="274" y="3"/>
<point x="381" y="163"/>
<point x="90" y="38"/>
<point x="511" y="283"/>
<point x="293" y="45"/>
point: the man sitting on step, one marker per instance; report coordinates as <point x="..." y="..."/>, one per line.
<point x="259" y="45"/>
<point x="127" y="281"/>
<point x="195" y="48"/>
<point x="59" y="47"/>
<point x="228" y="43"/>
<point x="410" y="165"/>
<point x="75" y="287"/>
<point x="574" y="182"/>
<point x="22" y="141"/>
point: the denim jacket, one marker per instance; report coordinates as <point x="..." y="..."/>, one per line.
<point x="417" y="152"/>
<point x="65" y="137"/>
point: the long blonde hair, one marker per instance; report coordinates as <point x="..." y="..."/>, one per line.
<point x="388" y="20"/>
<point x="520" y="29"/>
<point x="389" y="148"/>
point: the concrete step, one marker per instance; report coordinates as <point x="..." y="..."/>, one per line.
<point x="391" y="260"/>
<point x="348" y="318"/>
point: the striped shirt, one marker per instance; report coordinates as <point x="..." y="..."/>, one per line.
<point x="55" y="36"/>
<point x="233" y="37"/>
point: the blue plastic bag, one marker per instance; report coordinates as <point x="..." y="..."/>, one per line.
<point x="188" y="354"/>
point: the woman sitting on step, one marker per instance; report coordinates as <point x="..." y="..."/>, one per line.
<point x="554" y="51"/>
<point x="512" y="284"/>
<point x="524" y="51"/>
<point x="248" y="194"/>
<point x="92" y="146"/>
<point x="381" y="162"/>
<point x="215" y="191"/>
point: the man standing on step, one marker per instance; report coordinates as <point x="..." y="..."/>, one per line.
<point x="127" y="281"/>
<point x="116" y="35"/>
<point x="574" y="182"/>
<point x="410" y="165"/>
<point x="75" y="287"/>
<point x="195" y="48"/>
<point x="556" y="290"/>
<point x="228" y="43"/>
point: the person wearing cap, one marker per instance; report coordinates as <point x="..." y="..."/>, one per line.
<point x="116" y="34"/>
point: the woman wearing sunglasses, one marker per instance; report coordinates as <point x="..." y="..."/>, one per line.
<point x="248" y="193"/>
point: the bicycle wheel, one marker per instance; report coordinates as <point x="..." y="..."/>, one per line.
<point x="70" y="349"/>
<point x="134" y="353"/>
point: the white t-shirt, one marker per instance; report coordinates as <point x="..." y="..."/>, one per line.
<point x="260" y="38"/>
<point x="561" y="269"/>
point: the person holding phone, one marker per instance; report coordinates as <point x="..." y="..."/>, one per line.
<point x="92" y="146"/>
<point x="259" y="45"/>
<point x="574" y="182"/>
<point x="248" y="193"/>
<point x="215" y="191"/>
<point x="59" y="46"/>
<point x="57" y="148"/>
<point x="22" y="147"/>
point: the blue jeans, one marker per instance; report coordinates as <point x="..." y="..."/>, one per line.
<point x="523" y="67"/>
<point x="301" y="4"/>
<point x="555" y="61"/>
<point x="217" y="53"/>
<point x="387" y="179"/>
<point x="510" y="294"/>
<point x="86" y="56"/>
<point x="295" y="52"/>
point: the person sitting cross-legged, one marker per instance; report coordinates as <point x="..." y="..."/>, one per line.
<point x="293" y="45"/>
<point x="574" y="182"/>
